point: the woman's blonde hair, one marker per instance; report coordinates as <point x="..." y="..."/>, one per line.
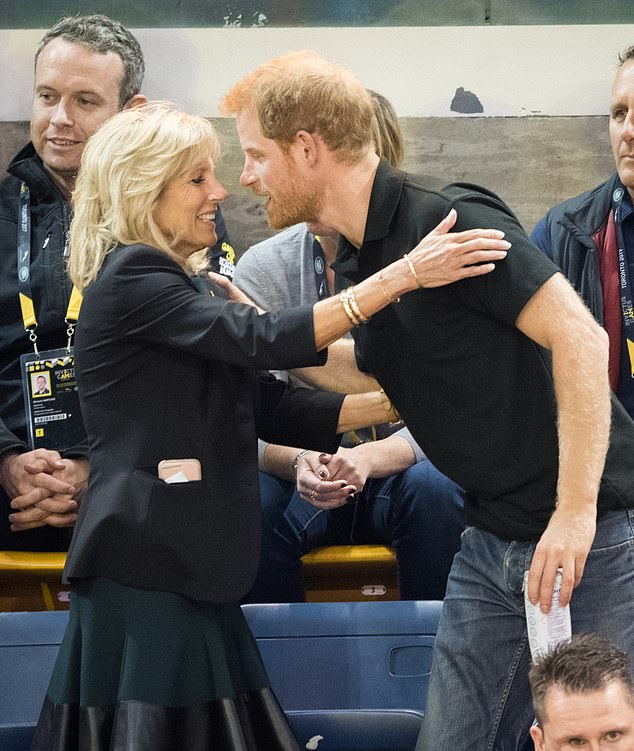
<point x="386" y="131"/>
<point x="124" y="168"/>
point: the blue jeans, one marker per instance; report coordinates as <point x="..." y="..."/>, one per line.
<point x="419" y="512"/>
<point x="479" y="696"/>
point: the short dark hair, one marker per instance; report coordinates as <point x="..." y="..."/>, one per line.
<point x="102" y="34"/>
<point x="586" y="663"/>
<point x="627" y="54"/>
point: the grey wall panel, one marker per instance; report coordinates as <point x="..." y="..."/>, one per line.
<point x="531" y="162"/>
<point x="13" y="136"/>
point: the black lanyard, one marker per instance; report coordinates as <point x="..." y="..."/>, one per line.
<point x="625" y="284"/>
<point x="24" y="277"/>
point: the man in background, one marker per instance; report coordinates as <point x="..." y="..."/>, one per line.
<point x="583" y="697"/>
<point x="591" y="237"/>
<point x="87" y="68"/>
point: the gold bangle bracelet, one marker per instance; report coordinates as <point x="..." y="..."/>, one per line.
<point x="352" y="299"/>
<point x="351" y="309"/>
<point x="345" y="301"/>
<point x="410" y="266"/>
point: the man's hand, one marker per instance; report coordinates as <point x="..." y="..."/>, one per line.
<point x="45" y="489"/>
<point x="328" y="480"/>
<point x="19" y="472"/>
<point x="564" y="545"/>
<point x="54" y="511"/>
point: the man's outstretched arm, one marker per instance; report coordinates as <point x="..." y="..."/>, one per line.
<point x="556" y="318"/>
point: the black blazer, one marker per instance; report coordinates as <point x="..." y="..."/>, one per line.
<point x="167" y="371"/>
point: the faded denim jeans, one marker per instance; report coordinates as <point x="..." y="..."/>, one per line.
<point x="479" y="697"/>
<point x="419" y="512"/>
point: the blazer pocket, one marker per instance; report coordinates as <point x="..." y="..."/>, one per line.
<point x="177" y="494"/>
<point x="177" y="527"/>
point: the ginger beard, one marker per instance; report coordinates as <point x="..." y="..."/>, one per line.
<point x="294" y="200"/>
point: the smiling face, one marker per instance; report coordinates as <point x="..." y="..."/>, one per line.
<point x="272" y="172"/>
<point x="591" y="721"/>
<point x="75" y="91"/>
<point x="186" y="209"/>
<point x="622" y="124"/>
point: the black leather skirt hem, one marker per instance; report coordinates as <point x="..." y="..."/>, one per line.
<point x="248" y="722"/>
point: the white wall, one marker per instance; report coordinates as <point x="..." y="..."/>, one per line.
<point x="513" y="70"/>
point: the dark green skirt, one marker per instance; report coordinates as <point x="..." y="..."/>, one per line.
<point x="154" y="671"/>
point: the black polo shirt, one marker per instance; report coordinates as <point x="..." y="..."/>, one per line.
<point x="475" y="392"/>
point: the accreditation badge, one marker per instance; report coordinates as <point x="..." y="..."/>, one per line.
<point x="51" y="400"/>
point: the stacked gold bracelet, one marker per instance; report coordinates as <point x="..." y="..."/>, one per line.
<point x="351" y="307"/>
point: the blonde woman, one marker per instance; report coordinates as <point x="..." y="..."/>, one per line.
<point x="157" y="655"/>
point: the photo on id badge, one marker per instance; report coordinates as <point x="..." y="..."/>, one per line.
<point x="41" y="384"/>
<point x="51" y="400"/>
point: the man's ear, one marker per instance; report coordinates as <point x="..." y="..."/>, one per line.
<point x="537" y="734"/>
<point x="306" y="146"/>
<point x="135" y="101"/>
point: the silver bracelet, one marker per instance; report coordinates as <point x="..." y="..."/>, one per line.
<point x="298" y="457"/>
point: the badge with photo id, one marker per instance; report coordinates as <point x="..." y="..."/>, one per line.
<point x="51" y="400"/>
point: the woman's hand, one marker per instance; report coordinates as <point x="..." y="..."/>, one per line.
<point x="443" y="257"/>
<point x="234" y="293"/>
<point x="439" y="258"/>
<point x="317" y="485"/>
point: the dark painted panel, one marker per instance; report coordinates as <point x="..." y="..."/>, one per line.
<point x="434" y="13"/>
<point x="178" y="13"/>
<point x="561" y="11"/>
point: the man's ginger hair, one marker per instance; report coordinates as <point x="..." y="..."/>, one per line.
<point x="305" y="91"/>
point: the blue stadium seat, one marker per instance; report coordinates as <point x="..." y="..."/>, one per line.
<point x="350" y="676"/>
<point x="28" y="647"/>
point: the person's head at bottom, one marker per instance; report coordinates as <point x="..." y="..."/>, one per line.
<point x="583" y="697"/>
